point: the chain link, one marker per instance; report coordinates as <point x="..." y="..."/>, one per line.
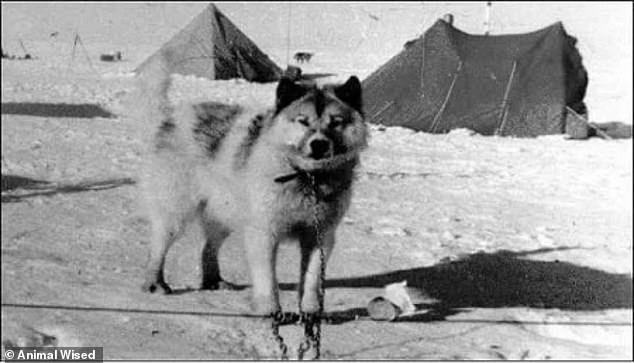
<point x="310" y="321"/>
<point x="312" y="325"/>
<point x="277" y="318"/>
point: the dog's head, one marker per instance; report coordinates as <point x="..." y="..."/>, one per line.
<point x="320" y="123"/>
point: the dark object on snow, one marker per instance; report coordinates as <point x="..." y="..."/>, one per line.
<point x="615" y="130"/>
<point x="303" y="57"/>
<point x="10" y="182"/>
<point x="515" y="85"/>
<point x="39" y="109"/>
<point x="27" y="56"/>
<point x="111" y="57"/>
<point x="578" y="128"/>
<point x="211" y="46"/>
<point x="293" y="73"/>
<point x="17" y="189"/>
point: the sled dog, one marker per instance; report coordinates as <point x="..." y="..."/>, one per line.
<point x="284" y="174"/>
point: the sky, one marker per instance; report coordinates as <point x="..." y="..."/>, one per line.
<point x="350" y="36"/>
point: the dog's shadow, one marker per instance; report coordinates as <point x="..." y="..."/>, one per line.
<point x="494" y="280"/>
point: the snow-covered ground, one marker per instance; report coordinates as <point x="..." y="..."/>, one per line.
<point x="512" y="248"/>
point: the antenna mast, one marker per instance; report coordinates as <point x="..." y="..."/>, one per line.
<point x="288" y="35"/>
<point x="487" y="18"/>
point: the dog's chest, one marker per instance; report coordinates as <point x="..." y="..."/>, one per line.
<point x="301" y="205"/>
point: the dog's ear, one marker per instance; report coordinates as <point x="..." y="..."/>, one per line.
<point x="287" y="92"/>
<point x="350" y="93"/>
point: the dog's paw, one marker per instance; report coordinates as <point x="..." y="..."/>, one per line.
<point x="310" y="306"/>
<point x="158" y="287"/>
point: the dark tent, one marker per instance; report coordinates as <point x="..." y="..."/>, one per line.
<point x="212" y="46"/>
<point x="515" y="85"/>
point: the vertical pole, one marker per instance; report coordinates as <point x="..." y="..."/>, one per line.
<point x="436" y="121"/>
<point x="83" y="47"/>
<point x="422" y="68"/>
<point x="505" y="100"/>
<point x="23" y="47"/>
<point x="288" y="35"/>
<point x="72" y="54"/>
<point x="487" y="18"/>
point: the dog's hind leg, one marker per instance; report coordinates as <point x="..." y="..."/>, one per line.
<point x="311" y="266"/>
<point x="215" y="234"/>
<point x="165" y="230"/>
<point x="170" y="207"/>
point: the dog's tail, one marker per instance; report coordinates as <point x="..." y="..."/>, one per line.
<point x="151" y="101"/>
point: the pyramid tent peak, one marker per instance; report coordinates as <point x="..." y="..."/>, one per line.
<point x="211" y="46"/>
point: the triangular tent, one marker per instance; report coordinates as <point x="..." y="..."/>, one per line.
<point x="212" y="46"/>
<point x="515" y="85"/>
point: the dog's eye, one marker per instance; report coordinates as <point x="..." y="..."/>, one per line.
<point x="336" y="120"/>
<point x="302" y="120"/>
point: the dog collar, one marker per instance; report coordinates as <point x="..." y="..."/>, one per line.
<point x="285" y="178"/>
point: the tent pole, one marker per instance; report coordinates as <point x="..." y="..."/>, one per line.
<point x="487" y="18"/>
<point x="388" y="105"/>
<point x="288" y="35"/>
<point x="505" y="100"/>
<point x="590" y="124"/>
<point x="422" y="67"/>
<point x="23" y="47"/>
<point x="444" y="104"/>
<point x="81" y="42"/>
<point x="72" y="54"/>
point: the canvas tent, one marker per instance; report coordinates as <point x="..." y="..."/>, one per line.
<point x="515" y="85"/>
<point x="212" y="46"/>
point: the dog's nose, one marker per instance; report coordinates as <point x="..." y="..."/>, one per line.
<point x="319" y="148"/>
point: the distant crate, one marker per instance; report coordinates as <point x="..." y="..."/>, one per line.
<point x="111" y="57"/>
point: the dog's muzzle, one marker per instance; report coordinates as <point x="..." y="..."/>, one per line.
<point x="301" y="164"/>
<point x="320" y="148"/>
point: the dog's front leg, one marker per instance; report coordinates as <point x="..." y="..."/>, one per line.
<point x="311" y="266"/>
<point x="261" y="249"/>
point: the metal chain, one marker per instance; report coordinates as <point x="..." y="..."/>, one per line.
<point x="311" y="322"/>
<point x="275" y="327"/>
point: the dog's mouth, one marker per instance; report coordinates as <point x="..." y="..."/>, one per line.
<point x="320" y="156"/>
<point x="309" y="165"/>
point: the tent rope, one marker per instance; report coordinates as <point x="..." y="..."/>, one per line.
<point x="590" y="124"/>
